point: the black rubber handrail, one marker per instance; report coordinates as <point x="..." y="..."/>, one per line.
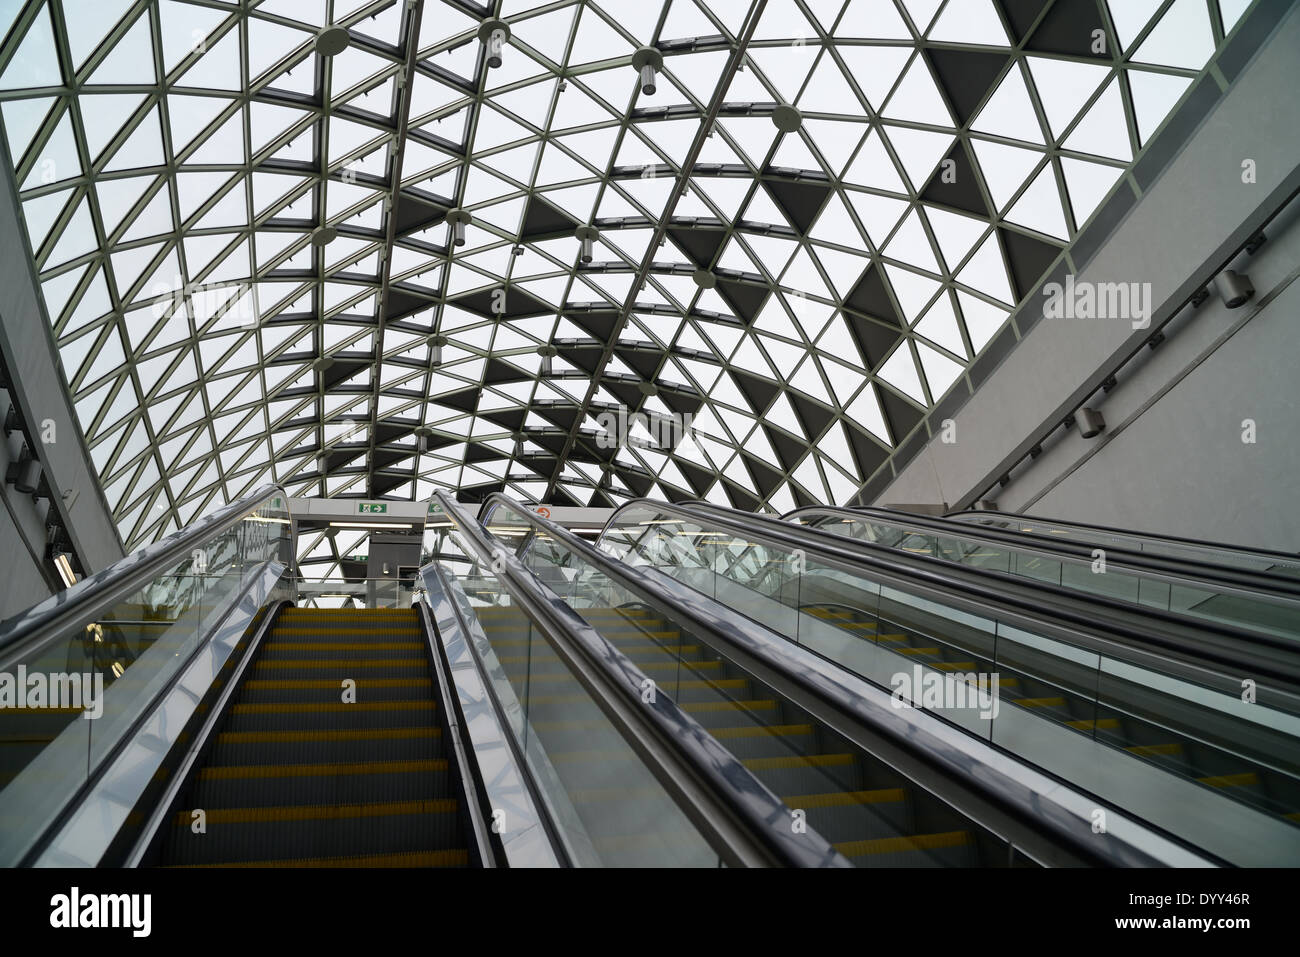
<point x="745" y="822"/>
<point x="1117" y="628"/>
<point x="1221" y="577"/>
<point x="1035" y="801"/>
<point x="1260" y="554"/>
<point x="82" y="601"/>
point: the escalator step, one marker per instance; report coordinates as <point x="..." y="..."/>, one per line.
<point x="451" y="858"/>
<point x="287" y="747"/>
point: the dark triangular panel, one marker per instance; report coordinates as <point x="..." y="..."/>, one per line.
<point x="498" y="370"/>
<point x="745" y="299"/>
<point x="800" y="202"/>
<point x="740" y="498"/>
<point x="477" y="494"/>
<point x="759" y="392"/>
<point x="1029" y="259"/>
<point x="478" y="452"/>
<point x="699" y="479"/>
<point x="955" y="184"/>
<point x="390" y="431"/>
<point x="600" y="324"/>
<point x="511" y="419"/>
<point x="875" y="341"/>
<point x="341" y="370"/>
<point x="517" y="304"/>
<point x="789" y="450"/>
<point x="403" y="302"/>
<point x="642" y="361"/>
<point x="466" y="400"/>
<point x="584" y="358"/>
<point x="870" y="297"/>
<point x="1068" y="29"/>
<point x="1021" y="14"/>
<point x="867" y="450"/>
<point x="381" y="483"/>
<point x="413" y="213"/>
<point x="813" y="417"/>
<point x="901" y="415"/>
<point x="383" y="458"/>
<point x="700" y="245"/>
<point x="965" y="77"/>
<point x="545" y="219"/>
<point x="766" y="479"/>
<point x="638" y="482"/>
<point x="680" y="401"/>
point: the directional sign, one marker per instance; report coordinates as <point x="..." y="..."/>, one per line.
<point x="372" y="508"/>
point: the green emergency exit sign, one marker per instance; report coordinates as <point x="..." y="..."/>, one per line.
<point x="373" y="508"/>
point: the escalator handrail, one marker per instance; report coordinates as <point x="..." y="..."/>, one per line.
<point x="1260" y="554"/>
<point x="756" y="824"/>
<point x="1114" y="627"/>
<point x="1034" y="800"/>
<point x="1192" y="572"/>
<point x="82" y="601"/>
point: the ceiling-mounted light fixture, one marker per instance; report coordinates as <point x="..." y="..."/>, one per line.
<point x="1233" y="287"/>
<point x="64" y="568"/>
<point x="588" y="236"/>
<point x="435" y="349"/>
<point x="648" y="62"/>
<point x="494" y="33"/>
<point x="332" y="40"/>
<point x="459" y="219"/>
<point x="548" y="356"/>
<point x="1090" y="423"/>
<point x="323" y="236"/>
<point x="787" y="118"/>
<point x="704" y="279"/>
<point x="422" y="434"/>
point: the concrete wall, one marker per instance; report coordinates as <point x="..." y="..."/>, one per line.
<point x="1172" y="457"/>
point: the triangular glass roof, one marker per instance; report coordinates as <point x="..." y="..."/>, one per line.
<point x="247" y="259"/>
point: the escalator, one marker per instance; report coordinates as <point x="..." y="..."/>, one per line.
<point x="1107" y="566"/>
<point x="332" y="754"/>
<point x="1087" y="687"/>
<point x="840" y="759"/>
<point x="541" y="704"/>
<point x="1275" y="564"/>
<point x="870" y="813"/>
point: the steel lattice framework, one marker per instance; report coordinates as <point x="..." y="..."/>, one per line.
<point x="806" y="296"/>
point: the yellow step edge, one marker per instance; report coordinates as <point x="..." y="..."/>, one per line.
<point x="703" y="707"/>
<point x="760" y="731"/>
<point x="348" y="645"/>
<point x="231" y="772"/>
<point x="845" y="798"/>
<point x="302" y="737"/>
<point x="1244" y="780"/>
<point x="897" y="845"/>
<point x="1088" y="724"/>
<point x="798" y="761"/>
<point x="1039" y="702"/>
<point x="303" y="707"/>
<point x="452" y="858"/>
<point x="264" y="684"/>
<point x="318" y="812"/>
<point x="1143" y="750"/>
<point x="340" y="663"/>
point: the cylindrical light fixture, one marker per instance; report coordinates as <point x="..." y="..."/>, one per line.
<point x="548" y="356"/>
<point x="494" y="33"/>
<point x="459" y="219"/>
<point x="435" y="349"/>
<point x="1234" y="288"/>
<point x="588" y="236"/>
<point x="1090" y="423"/>
<point x="648" y="62"/>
